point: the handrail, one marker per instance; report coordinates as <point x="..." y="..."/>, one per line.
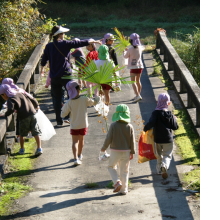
<point x="29" y="76"/>
<point x="184" y="84"/>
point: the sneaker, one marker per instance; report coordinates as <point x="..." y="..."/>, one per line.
<point x="122" y="193"/>
<point x="59" y="124"/>
<point x="164" y="172"/>
<point x="138" y="98"/>
<point x="80" y="157"/>
<point x="117" y="187"/>
<point x="158" y="168"/>
<point x="21" y="151"/>
<point x="77" y="162"/>
<point x="39" y="151"/>
<point x="66" y="121"/>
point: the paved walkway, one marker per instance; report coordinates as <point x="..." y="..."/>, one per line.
<point x="60" y="191"/>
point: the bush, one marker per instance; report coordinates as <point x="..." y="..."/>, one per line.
<point x="189" y="51"/>
<point x="21" y="28"/>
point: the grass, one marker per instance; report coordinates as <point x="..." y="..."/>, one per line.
<point x="91" y="185"/>
<point x="14" y="185"/>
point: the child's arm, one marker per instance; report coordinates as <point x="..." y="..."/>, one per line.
<point x="10" y="108"/>
<point x="65" y="110"/>
<point x="108" y="139"/>
<point x="95" y="101"/>
<point x="126" y="53"/>
<point x="33" y="101"/>
<point x="151" y="122"/>
<point x="132" y="141"/>
<point x="174" y="125"/>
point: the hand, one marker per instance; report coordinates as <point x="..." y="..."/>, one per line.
<point x="131" y="156"/>
<point x="102" y="150"/>
<point x="46" y="86"/>
<point x="126" y="49"/>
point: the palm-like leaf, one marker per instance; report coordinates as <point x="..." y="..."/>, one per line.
<point x="104" y="75"/>
<point x="122" y="41"/>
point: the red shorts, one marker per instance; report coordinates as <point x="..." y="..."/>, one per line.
<point x="82" y="131"/>
<point x="106" y="87"/>
<point x="137" y="71"/>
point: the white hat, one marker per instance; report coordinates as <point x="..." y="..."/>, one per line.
<point x="61" y="30"/>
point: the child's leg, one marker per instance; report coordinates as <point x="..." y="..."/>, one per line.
<point x="159" y="157"/>
<point x="75" y="143"/>
<point x="81" y="144"/>
<point x="38" y="141"/>
<point x="112" y="166"/>
<point x="84" y="83"/>
<point x="134" y="85"/>
<point x="167" y="154"/>
<point x="107" y="96"/>
<point x="138" y="82"/>
<point x="124" y="164"/>
<point x="22" y="142"/>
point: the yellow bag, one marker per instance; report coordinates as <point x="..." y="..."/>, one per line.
<point x="146" y="149"/>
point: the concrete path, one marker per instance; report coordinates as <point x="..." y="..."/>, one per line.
<point x="60" y="189"/>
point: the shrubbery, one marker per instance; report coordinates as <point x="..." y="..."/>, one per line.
<point x="189" y="52"/>
<point x="21" y="28"/>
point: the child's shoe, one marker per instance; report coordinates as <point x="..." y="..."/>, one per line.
<point x="117" y="187"/>
<point x="164" y="172"/>
<point x="77" y="162"/>
<point x="39" y="151"/>
<point x="80" y="157"/>
<point x="21" y="151"/>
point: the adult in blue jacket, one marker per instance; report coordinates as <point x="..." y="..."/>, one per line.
<point x="57" y="52"/>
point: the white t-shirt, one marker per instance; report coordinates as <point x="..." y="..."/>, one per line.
<point x="134" y="57"/>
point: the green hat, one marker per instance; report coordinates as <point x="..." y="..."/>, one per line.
<point x="103" y="52"/>
<point x="122" y="113"/>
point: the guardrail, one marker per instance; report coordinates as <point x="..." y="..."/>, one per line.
<point x="184" y="84"/>
<point x="28" y="81"/>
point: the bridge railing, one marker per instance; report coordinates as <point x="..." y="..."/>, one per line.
<point x="184" y="84"/>
<point x="28" y="81"/>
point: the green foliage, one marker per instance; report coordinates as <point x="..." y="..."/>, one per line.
<point x="21" y="28"/>
<point x="189" y="52"/>
<point x="104" y="75"/>
<point x="122" y="41"/>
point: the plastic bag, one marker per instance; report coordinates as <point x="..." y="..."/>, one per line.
<point x="146" y="147"/>
<point x="103" y="156"/>
<point x="45" y="125"/>
<point x="102" y="108"/>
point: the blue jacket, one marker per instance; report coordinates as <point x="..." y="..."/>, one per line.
<point x="60" y="65"/>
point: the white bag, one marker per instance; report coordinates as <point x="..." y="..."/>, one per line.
<point x="102" y="108"/>
<point x="45" y="125"/>
<point x="103" y="156"/>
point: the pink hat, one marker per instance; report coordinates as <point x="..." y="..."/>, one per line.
<point x="135" y="39"/>
<point x="108" y="36"/>
<point x="9" y="82"/>
<point x="163" y="101"/>
<point x="71" y="88"/>
<point x="10" y="92"/>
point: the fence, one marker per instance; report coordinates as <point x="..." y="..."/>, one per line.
<point x="28" y="81"/>
<point x="184" y="84"/>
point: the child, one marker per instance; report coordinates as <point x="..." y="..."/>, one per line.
<point x="108" y="40"/>
<point x="121" y="139"/>
<point x="79" y="59"/>
<point x="26" y="109"/>
<point x="76" y="107"/>
<point x="163" y="122"/>
<point x="135" y="64"/>
<point x="10" y="82"/>
<point x="92" y="55"/>
<point x="104" y="58"/>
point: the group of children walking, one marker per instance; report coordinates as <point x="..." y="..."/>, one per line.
<point x="120" y="137"/>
